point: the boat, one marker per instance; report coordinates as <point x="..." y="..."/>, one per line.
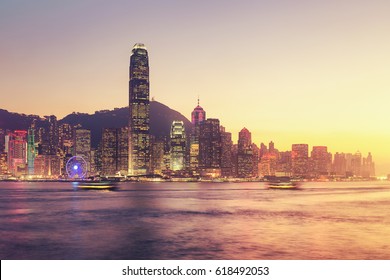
<point x="284" y="183"/>
<point x="97" y="184"/>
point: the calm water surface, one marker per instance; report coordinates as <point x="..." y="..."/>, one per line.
<point x="195" y="221"/>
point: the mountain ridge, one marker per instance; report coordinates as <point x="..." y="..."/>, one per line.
<point x="161" y="117"/>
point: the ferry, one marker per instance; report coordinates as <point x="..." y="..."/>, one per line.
<point x="284" y="183"/>
<point x="97" y="184"/>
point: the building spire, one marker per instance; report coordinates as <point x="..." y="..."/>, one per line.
<point x="198" y="100"/>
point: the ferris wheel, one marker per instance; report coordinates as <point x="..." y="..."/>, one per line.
<point x="76" y="167"/>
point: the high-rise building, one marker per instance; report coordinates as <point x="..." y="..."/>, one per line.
<point x="268" y="164"/>
<point x="46" y="135"/>
<point x="198" y="115"/>
<point x="245" y="154"/>
<point x="356" y="164"/>
<point x="178" y="146"/>
<point x="321" y="160"/>
<point x="299" y="160"/>
<point x="2" y="140"/>
<point x="66" y="138"/>
<point x="114" y="151"/>
<point x="157" y="153"/>
<point x="368" y="167"/>
<point x="283" y="164"/>
<point x="210" y="148"/>
<point x="83" y="145"/>
<point x="3" y="163"/>
<point x="339" y="165"/>
<point x="139" y="138"/>
<point x="17" y="152"/>
<point x="30" y="151"/>
<point x="226" y="153"/>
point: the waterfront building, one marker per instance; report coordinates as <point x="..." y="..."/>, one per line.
<point x="245" y="164"/>
<point x="255" y="160"/>
<point x="17" y="152"/>
<point x="226" y="153"/>
<point x="198" y="115"/>
<point x="284" y="164"/>
<point x="115" y="151"/>
<point x="210" y="148"/>
<point x="2" y="140"/>
<point x="321" y="161"/>
<point x="263" y="150"/>
<point x="46" y="135"/>
<point x="31" y="153"/>
<point x="3" y="163"/>
<point x="299" y="160"/>
<point x="66" y="138"/>
<point x="368" y="167"/>
<point x="139" y="138"/>
<point x="268" y="164"/>
<point x="157" y="153"/>
<point x="178" y="146"/>
<point x="82" y="140"/>
<point x="339" y="165"/>
<point x="356" y="164"/>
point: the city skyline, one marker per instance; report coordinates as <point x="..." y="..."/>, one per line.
<point x="314" y="73"/>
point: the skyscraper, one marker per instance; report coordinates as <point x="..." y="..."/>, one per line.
<point x="178" y="146"/>
<point x="17" y="152"/>
<point x="244" y="154"/>
<point x="197" y="117"/>
<point x="210" y="148"/>
<point x="321" y="161"/>
<point x="30" y="151"/>
<point x="114" y="150"/>
<point x="226" y="153"/>
<point x="299" y="159"/>
<point x="139" y="139"/>
<point x="83" y="145"/>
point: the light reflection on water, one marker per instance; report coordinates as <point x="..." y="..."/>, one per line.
<point x="195" y="221"/>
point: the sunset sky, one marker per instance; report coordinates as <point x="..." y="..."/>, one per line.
<point x="303" y="71"/>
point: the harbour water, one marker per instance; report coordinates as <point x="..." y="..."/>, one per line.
<point x="322" y="220"/>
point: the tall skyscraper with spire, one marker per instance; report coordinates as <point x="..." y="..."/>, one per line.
<point x="198" y="115"/>
<point x="139" y="138"/>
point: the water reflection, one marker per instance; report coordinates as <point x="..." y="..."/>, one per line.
<point x="195" y="221"/>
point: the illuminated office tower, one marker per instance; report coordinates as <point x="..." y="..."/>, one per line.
<point x="114" y="151"/>
<point x="283" y="164"/>
<point x="268" y="165"/>
<point x="139" y="138"/>
<point x="66" y="138"/>
<point x="2" y="140"/>
<point x="210" y="148"/>
<point x="157" y="153"/>
<point x="3" y="163"/>
<point x="244" y="154"/>
<point x="226" y="153"/>
<point x="178" y="146"/>
<point x="339" y="164"/>
<point x="321" y="161"/>
<point x="17" y="152"/>
<point x="299" y="160"/>
<point x="82" y="140"/>
<point x="49" y="130"/>
<point x="3" y="153"/>
<point x="30" y="151"/>
<point x="198" y="115"/>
